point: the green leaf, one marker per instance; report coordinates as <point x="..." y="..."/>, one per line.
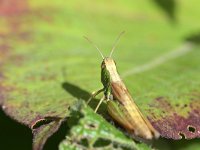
<point x="91" y="131"/>
<point x="46" y="65"/>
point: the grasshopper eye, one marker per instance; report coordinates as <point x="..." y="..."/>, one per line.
<point x="115" y="63"/>
<point x="103" y="65"/>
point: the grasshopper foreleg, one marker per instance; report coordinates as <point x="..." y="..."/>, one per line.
<point x="101" y="100"/>
<point x="110" y="97"/>
<point x="94" y="94"/>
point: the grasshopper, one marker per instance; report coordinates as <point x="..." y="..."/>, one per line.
<point x="120" y="104"/>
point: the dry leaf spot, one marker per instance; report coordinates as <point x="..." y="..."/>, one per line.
<point x="182" y="135"/>
<point x="43" y="121"/>
<point x="91" y="126"/>
<point x="174" y="125"/>
<point x="191" y="129"/>
<point x="84" y="142"/>
<point x="100" y="142"/>
<point x="40" y="122"/>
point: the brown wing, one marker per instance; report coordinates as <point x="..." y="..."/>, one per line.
<point x="139" y="124"/>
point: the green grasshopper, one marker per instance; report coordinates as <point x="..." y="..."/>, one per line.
<point x="120" y="104"/>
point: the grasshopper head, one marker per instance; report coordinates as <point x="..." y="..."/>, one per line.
<point x="109" y="64"/>
<point x="108" y="67"/>
<point x="108" y="71"/>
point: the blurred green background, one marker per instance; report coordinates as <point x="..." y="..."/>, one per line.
<point x="46" y="65"/>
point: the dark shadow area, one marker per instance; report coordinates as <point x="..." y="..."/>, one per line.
<point x="76" y="91"/>
<point x="54" y="141"/>
<point x="169" y="7"/>
<point x="82" y="94"/>
<point x="193" y="38"/>
<point x="13" y="135"/>
<point x="182" y="144"/>
<point x="169" y="144"/>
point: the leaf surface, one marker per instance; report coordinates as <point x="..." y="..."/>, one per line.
<point x="46" y="65"/>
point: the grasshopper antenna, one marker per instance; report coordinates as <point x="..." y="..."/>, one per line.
<point x="94" y="45"/>
<point x="116" y="42"/>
